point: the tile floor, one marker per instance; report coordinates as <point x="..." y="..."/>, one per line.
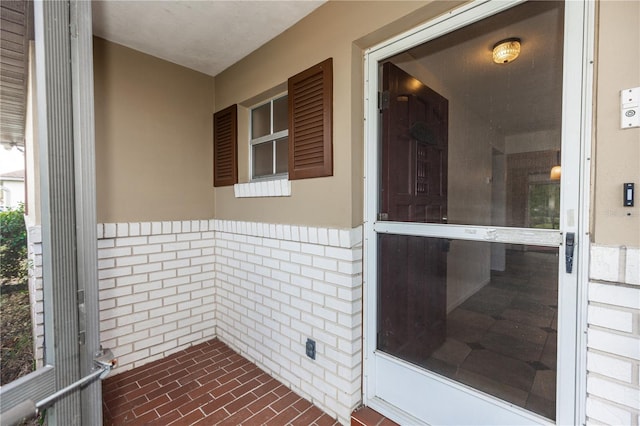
<point x="365" y="416"/>
<point x="502" y="340"/>
<point x="208" y="384"/>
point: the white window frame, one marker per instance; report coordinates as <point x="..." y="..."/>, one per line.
<point x="270" y="138"/>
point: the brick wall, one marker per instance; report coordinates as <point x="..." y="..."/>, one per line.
<point x="34" y="253"/>
<point x="278" y="285"/>
<point x="156" y="288"/>
<point x="613" y="337"/>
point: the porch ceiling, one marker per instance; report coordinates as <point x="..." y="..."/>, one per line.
<point x="16" y="31"/>
<point x="207" y="36"/>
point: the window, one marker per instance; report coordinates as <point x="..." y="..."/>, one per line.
<point x="270" y="139"/>
<point x="290" y="135"/>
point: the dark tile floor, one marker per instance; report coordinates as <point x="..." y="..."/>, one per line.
<point x="502" y="340"/>
<point x="365" y="416"/>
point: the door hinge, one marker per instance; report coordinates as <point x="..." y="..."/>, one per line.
<point x="383" y="100"/>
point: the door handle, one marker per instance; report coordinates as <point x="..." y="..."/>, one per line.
<point x="570" y="243"/>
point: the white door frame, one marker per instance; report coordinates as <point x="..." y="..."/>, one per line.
<point x="576" y="149"/>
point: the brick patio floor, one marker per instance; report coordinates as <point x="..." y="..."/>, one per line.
<point x="207" y="384"/>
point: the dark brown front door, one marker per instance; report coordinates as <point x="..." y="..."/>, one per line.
<point x="412" y="284"/>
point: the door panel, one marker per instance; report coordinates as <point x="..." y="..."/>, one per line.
<point x="467" y="243"/>
<point x="495" y="333"/>
<point x="414" y="149"/>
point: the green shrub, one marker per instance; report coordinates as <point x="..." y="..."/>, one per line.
<point x="13" y="244"/>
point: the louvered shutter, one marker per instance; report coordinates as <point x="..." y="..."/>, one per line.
<point x="225" y="142"/>
<point x="310" y="122"/>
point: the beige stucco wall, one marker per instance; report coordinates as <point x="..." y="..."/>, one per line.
<point x="339" y="30"/>
<point x="154" y="135"/>
<point x="616" y="151"/>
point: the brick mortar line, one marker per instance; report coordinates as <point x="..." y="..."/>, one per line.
<point x="633" y="386"/>
<point x="612" y="331"/>
<point x="622" y="407"/>
<point x="614" y="283"/>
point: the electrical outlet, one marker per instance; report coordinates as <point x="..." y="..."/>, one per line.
<point x="311" y="348"/>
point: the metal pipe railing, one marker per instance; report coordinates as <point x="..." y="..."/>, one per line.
<point x="105" y="362"/>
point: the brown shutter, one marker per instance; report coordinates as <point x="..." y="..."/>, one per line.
<point x="225" y="142"/>
<point x="310" y="122"/>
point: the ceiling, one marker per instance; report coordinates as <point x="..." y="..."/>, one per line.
<point x="15" y="33"/>
<point x="207" y="36"/>
<point x="517" y="98"/>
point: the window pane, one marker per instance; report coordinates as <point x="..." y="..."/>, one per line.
<point x="261" y="121"/>
<point x="483" y="314"/>
<point x="461" y="147"/>
<point x="280" y="114"/>
<point x="282" y="155"/>
<point x="544" y="205"/>
<point x="263" y="159"/>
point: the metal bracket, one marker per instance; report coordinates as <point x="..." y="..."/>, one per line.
<point x="104" y="361"/>
<point x="383" y="100"/>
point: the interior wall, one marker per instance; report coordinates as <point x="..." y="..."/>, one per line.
<point x="542" y="140"/>
<point x="617" y="151"/>
<point x="154" y="136"/>
<point x="339" y="30"/>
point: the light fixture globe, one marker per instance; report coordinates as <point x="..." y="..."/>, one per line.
<point x="506" y="51"/>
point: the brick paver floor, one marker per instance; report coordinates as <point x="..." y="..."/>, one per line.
<point x="207" y="384"/>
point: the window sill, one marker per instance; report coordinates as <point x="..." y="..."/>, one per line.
<point x="267" y="188"/>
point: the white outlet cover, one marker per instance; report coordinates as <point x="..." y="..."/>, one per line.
<point x="630" y="108"/>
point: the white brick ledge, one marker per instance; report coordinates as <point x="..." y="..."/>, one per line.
<point x="267" y="188"/>
<point x="139" y="229"/>
<point x="344" y="238"/>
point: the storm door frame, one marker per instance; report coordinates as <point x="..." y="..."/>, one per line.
<point x="576" y="141"/>
<point x="65" y="135"/>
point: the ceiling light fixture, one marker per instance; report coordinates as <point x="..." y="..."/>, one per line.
<point x="506" y="51"/>
<point x="556" y="171"/>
